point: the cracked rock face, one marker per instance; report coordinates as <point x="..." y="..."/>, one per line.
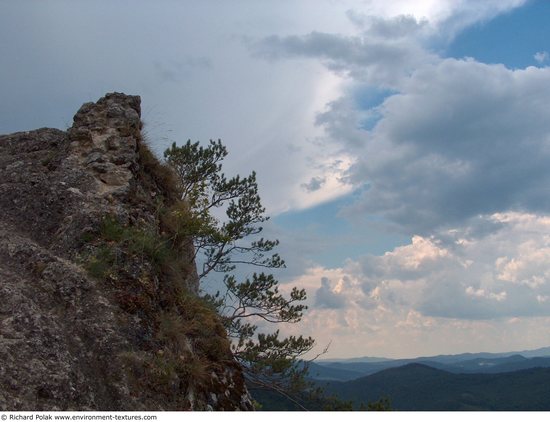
<point x="64" y="338"/>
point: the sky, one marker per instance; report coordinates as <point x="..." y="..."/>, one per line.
<point x="401" y="147"/>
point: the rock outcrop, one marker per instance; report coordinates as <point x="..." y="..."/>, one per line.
<point x="98" y="304"/>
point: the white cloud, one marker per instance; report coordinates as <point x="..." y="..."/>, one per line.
<point x="453" y="138"/>
<point x="452" y="285"/>
<point x="455" y="155"/>
<point x="499" y="297"/>
<point x="503" y="273"/>
<point x="314" y="184"/>
<point x="328" y="297"/>
<point x="461" y="138"/>
<point x="541" y="56"/>
<point x="447" y="17"/>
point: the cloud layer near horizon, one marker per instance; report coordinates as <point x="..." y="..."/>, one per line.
<point x="482" y="281"/>
<point x="503" y="273"/>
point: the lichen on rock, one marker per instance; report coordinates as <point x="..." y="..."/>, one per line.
<point x="98" y="310"/>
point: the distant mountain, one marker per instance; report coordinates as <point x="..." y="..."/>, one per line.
<point x="421" y="387"/>
<point x="368" y="359"/>
<point x="542" y="352"/>
<point x="467" y="381"/>
<point x="320" y="372"/>
<point x="487" y="365"/>
<point x="462" y="363"/>
<point x="364" y="368"/>
<point x="491" y="365"/>
<point x="512" y="363"/>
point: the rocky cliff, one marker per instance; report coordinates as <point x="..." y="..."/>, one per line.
<point x="98" y="304"/>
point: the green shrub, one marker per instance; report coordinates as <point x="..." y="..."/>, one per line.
<point x="147" y="244"/>
<point x="111" y="230"/>
<point x="143" y="243"/>
<point x="102" y="262"/>
<point x="161" y="173"/>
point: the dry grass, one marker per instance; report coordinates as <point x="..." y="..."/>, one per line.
<point x="177" y="368"/>
<point x="148" y="268"/>
<point x="160" y="172"/>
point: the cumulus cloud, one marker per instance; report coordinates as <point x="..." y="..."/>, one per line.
<point x="505" y="273"/>
<point x="541" y="56"/>
<point x="461" y="139"/>
<point x="455" y="154"/>
<point x="328" y="297"/>
<point x="470" y="289"/>
<point x="452" y="138"/>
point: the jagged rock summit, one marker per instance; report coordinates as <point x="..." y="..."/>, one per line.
<point x="97" y="310"/>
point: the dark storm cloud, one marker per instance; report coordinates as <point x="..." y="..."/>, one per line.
<point x="462" y="139"/>
<point x="376" y="60"/>
<point x="455" y="138"/>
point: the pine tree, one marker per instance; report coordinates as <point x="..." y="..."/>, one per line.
<point x="269" y="360"/>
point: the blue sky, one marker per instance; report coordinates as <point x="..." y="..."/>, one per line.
<point x="511" y="38"/>
<point x="401" y="147"/>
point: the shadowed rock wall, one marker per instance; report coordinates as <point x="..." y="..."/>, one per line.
<point x="127" y="336"/>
